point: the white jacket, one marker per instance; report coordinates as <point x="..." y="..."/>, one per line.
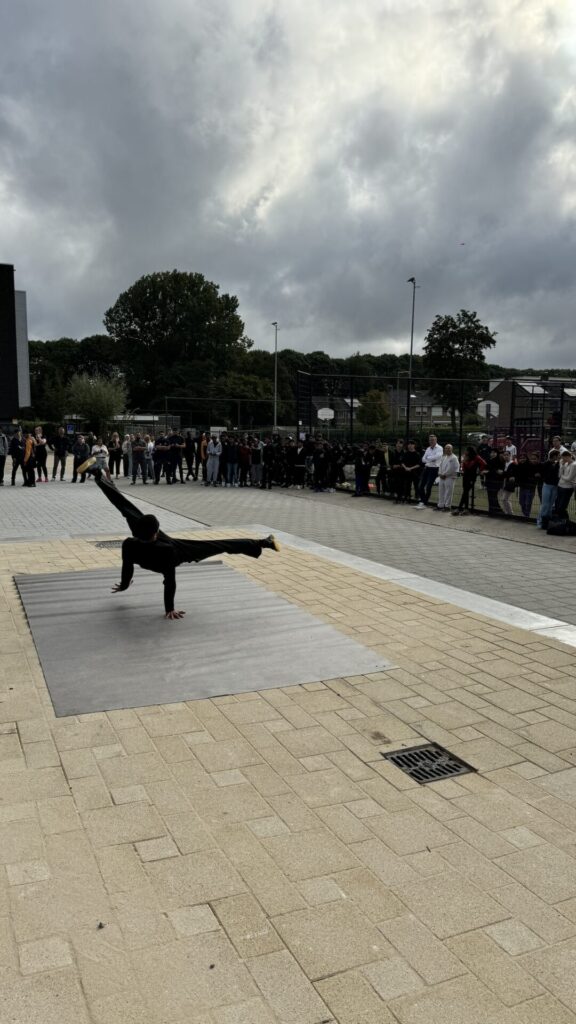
<point x="433" y="456"/>
<point x="214" y="449"/>
<point x="567" y="475"/>
<point x="449" y="466"/>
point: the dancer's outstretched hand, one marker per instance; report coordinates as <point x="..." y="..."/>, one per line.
<point x="117" y="588"/>
<point x="175" y="615"/>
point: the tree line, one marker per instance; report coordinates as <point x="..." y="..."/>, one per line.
<point x="175" y="334"/>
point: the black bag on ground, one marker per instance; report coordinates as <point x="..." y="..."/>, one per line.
<point x="561" y="527"/>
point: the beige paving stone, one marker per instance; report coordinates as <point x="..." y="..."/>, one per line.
<point x="410" y="831"/>
<point x="173" y="749"/>
<point x="330" y="938"/>
<point x="426" y="863"/>
<point x="129" y="795"/>
<point x="533" y="912"/>
<point x="423" y="951"/>
<point x="192" y="975"/>
<point x="460" y="1001"/>
<point x="41" y="755"/>
<point x="320" y="890"/>
<point x="79" y="764"/>
<point x="392" y="978"/>
<point x="188" y="831"/>
<point x="102" y="961"/>
<point x="449" y="904"/>
<point x="134" y="769"/>
<point x="496" y="810"/>
<point x="71" y="735"/>
<point x="252" y="1011"/>
<point x="515" y="700"/>
<point x="522" y="838"/>
<point x="561" y="784"/>
<point x="386" y="865"/>
<point x="551" y="762"/>
<point x="263" y="877"/>
<point x="263" y="827"/>
<point x="89" y="793"/>
<point x="227" y="754"/>
<point x="551" y="735"/>
<point x="194" y="920"/>
<point x="171" y="723"/>
<point x="486" y="754"/>
<point x="17" y="812"/>
<point x="514" y="937"/>
<point x="568" y="909"/>
<point x="452" y="715"/>
<point x="141" y="923"/>
<point x="343" y="823"/>
<point x="265" y="779"/>
<point x="317" y="789"/>
<point x="194" y="878"/>
<point x="253" y="711"/>
<point x="369" y="894"/>
<point x="20" y="840"/>
<point x="28" y="871"/>
<point x="489" y="843"/>
<point x="122" y="870"/>
<point x="232" y="777"/>
<point x="136" y="741"/>
<point x="504" y="976"/>
<point x="308" y="854"/>
<point x="366" y="808"/>
<point x="352" y="1000"/>
<point x="249" y="930"/>
<point x="229" y="804"/>
<point x="527" y="770"/>
<point x="157" y="849"/>
<point x="58" y="814"/>
<point x="384" y="793"/>
<point x="128" y="823"/>
<point x="316" y="763"/>
<point x="351" y="765"/>
<point x="123" y="1007"/>
<point x="287" y="989"/>
<point x="546" y="871"/>
<point x="545" y="1008"/>
<point x="44" y="955"/>
<point x="51" y="998"/>
<point x="311" y="741"/>
<point x="294" y="812"/>
<point x="554" y="969"/>
<point x="469" y="862"/>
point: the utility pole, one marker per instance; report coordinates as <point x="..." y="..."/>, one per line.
<point x="275" y="424"/>
<point x="412" y="281"/>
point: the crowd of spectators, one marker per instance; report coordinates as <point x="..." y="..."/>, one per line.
<point x="402" y="472"/>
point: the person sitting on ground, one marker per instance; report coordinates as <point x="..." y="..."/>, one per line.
<point x="472" y="464"/>
<point x="152" y="549"/>
<point x="447" y="474"/>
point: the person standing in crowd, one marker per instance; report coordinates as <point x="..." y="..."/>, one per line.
<point x="80" y="452"/>
<point x="494" y="478"/>
<point x="431" y="462"/>
<point x="412" y="464"/>
<point x="383" y="463"/>
<point x="268" y="460"/>
<point x="510" y="451"/>
<point x="201" y="460"/>
<point x="244" y="461"/>
<point x="549" y="471"/>
<point x="16" y="452"/>
<point x="509" y="485"/>
<point x="149" y="457"/>
<point x="176" y="445"/>
<point x="41" y="455"/>
<point x="160" y="456"/>
<point x="189" y="449"/>
<point x="526" y="470"/>
<point x="60" y="446"/>
<point x="472" y="464"/>
<point x="213" y="453"/>
<point x="4" y="447"/>
<point x="28" y="460"/>
<point x="232" y="462"/>
<point x="447" y="473"/>
<point x="484" y="448"/>
<point x="557" y="445"/>
<point x="100" y="453"/>
<point x="139" y="459"/>
<point x="114" y="454"/>
<point x="127" y="455"/>
<point x="566" y="484"/>
<point x="397" y="471"/>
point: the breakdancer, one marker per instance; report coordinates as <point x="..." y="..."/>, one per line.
<point x="152" y="549"/>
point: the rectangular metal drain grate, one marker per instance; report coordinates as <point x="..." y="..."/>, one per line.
<point x="428" y="763"/>
<point x="108" y="543"/>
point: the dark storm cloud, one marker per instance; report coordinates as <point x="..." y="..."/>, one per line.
<point x="308" y="156"/>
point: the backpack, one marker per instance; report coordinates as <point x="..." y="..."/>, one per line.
<point x="561" y="527"/>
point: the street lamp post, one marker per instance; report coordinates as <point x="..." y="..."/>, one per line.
<point x="412" y="281"/>
<point x="275" y="425"/>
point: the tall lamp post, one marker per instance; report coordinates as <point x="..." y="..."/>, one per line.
<point x="412" y="281"/>
<point x="275" y="425"/>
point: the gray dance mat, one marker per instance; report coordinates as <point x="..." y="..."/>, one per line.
<point x="100" y="651"/>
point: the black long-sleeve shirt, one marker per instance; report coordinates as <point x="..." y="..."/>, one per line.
<point x="157" y="556"/>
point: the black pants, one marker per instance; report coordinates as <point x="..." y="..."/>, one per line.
<point x="2" y="464"/>
<point x="467" y="489"/>
<point x="562" y="501"/>
<point x="115" y="461"/>
<point x="59" y="460"/>
<point x="41" y="456"/>
<point x="16" y="465"/>
<point x="29" y="470"/>
<point x="427" y="479"/>
<point x="186" y="550"/>
<point x="138" y="460"/>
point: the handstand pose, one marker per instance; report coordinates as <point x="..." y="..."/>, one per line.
<point x="152" y="549"/>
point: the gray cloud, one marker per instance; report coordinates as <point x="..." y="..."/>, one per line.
<point x="308" y="156"/>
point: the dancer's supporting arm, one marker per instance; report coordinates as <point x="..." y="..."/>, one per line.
<point x="127" y="569"/>
<point x="169" y="593"/>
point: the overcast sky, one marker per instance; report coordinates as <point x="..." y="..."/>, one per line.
<point x="307" y="155"/>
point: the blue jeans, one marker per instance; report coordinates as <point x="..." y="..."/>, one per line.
<point x="526" y="495"/>
<point x="426" y="481"/>
<point x="549" y="492"/>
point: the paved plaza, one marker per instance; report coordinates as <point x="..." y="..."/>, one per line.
<point x="253" y="859"/>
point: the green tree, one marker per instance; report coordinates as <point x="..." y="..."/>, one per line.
<point x="171" y="319"/>
<point x="96" y="399"/>
<point x="373" y="410"/>
<point x="454" y="348"/>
